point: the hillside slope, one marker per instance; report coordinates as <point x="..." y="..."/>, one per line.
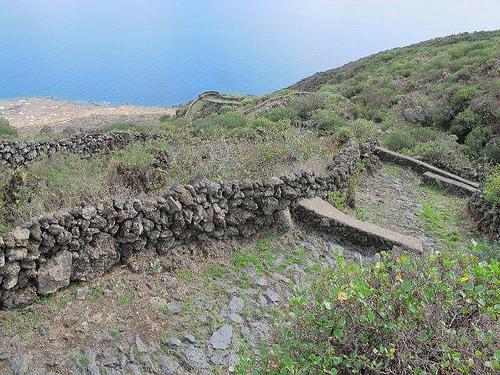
<point x="450" y="83"/>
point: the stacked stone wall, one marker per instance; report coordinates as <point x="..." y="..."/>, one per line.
<point x="15" y="154"/>
<point x="486" y="215"/>
<point x="45" y="255"/>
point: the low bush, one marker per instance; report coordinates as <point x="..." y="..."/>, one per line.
<point x="491" y="189"/>
<point x="434" y="314"/>
<point x="6" y="130"/>
<point x="231" y="121"/>
<point x="477" y="140"/>
<point x="165" y="118"/>
<point x="464" y="123"/>
<point x="305" y="105"/>
<point x="439" y="114"/>
<point x="362" y="130"/>
<point x="281" y="113"/>
<point x="328" y="122"/>
<point x="492" y="149"/>
<point x="398" y="140"/>
<point x="443" y="152"/>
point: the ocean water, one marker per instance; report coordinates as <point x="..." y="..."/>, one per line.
<point x="164" y="52"/>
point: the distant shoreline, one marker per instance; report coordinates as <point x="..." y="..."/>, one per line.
<point x="32" y="115"/>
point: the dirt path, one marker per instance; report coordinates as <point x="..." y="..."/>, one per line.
<point x="32" y="114"/>
<point x="394" y="198"/>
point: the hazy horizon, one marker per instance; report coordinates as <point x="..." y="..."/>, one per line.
<point x="164" y="53"/>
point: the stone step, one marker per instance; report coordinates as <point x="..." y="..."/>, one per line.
<point x="419" y="166"/>
<point x="448" y="184"/>
<point x="319" y="213"/>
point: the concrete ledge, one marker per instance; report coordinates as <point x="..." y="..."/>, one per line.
<point x="419" y="166"/>
<point x="451" y="186"/>
<point x="321" y="214"/>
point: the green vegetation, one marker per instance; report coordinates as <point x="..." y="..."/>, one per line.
<point x="448" y="84"/>
<point x="440" y="223"/>
<point x="491" y="188"/>
<point x="95" y="294"/>
<point x="432" y="314"/>
<point x="282" y="113"/>
<point x="399" y="140"/>
<point x="165" y="118"/>
<point x="338" y="200"/>
<point x="148" y="168"/>
<point x="123" y="127"/>
<point x="7" y="132"/>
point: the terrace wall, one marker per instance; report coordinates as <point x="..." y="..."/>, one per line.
<point x="45" y="255"/>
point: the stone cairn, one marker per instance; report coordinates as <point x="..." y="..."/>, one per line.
<point x="15" y="154"/>
<point x="45" y="255"/>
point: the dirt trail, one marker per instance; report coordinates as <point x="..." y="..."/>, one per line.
<point x="395" y="198"/>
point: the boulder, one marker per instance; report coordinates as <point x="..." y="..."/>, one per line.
<point x="96" y="258"/>
<point x="55" y="273"/>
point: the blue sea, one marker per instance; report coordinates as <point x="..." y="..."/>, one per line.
<point x="164" y="52"/>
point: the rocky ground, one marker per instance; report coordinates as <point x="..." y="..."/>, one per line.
<point x="153" y="321"/>
<point x="187" y="314"/>
<point x="35" y="114"/>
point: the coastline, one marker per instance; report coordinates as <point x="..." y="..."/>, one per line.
<point x="36" y="114"/>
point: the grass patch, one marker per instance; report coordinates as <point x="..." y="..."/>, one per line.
<point x="124" y="300"/>
<point x="124" y="127"/>
<point x="440" y="223"/>
<point x="7" y="132"/>
<point x="95" y="294"/>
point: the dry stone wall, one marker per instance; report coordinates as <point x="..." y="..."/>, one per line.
<point x="15" y="154"/>
<point x="486" y="215"/>
<point x="45" y="255"/>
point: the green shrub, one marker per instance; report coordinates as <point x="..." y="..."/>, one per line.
<point x="443" y="151"/>
<point x="123" y="127"/>
<point x="492" y="149"/>
<point x="362" y="130"/>
<point x="280" y="113"/>
<point x="425" y="134"/>
<point x="165" y="118"/>
<point x="305" y="105"/>
<point x="439" y="114"/>
<point x="460" y="97"/>
<point x="338" y="200"/>
<point x="6" y="130"/>
<point x="329" y="122"/>
<point x="477" y="139"/>
<point x="224" y="121"/>
<point x="491" y="189"/>
<point x="432" y="314"/>
<point x="464" y="123"/>
<point x="263" y="124"/>
<point x="398" y="140"/>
